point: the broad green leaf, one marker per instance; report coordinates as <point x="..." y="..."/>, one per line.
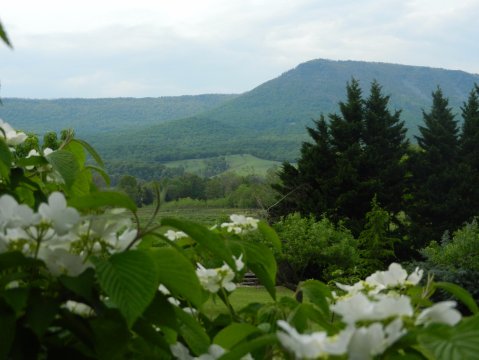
<point x="77" y="150"/>
<point x="460" y="293"/>
<point x="41" y="312"/>
<point x="270" y="235"/>
<point x="7" y="326"/>
<point x="103" y="198"/>
<point x="193" y="333"/>
<point x="15" y="259"/>
<point x="253" y="345"/>
<point x="451" y="343"/>
<point x="81" y="186"/>
<point x="4" y="36"/>
<point x="130" y="279"/>
<point x="318" y="293"/>
<point x="100" y="171"/>
<point x="66" y="164"/>
<point x="304" y="313"/>
<point x="91" y="150"/>
<point x="153" y="337"/>
<point x="234" y="334"/>
<point x="111" y="335"/>
<point x="81" y="285"/>
<point x="261" y="261"/>
<point x="203" y="236"/>
<point x="32" y="161"/>
<point x="177" y="273"/>
<point x="17" y="299"/>
<point x="5" y="160"/>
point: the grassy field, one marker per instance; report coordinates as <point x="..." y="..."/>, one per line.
<point x="243" y="296"/>
<point x="243" y="165"/>
<point x="205" y="216"/>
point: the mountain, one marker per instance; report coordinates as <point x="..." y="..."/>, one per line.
<point x="269" y="121"/>
<point x="98" y="116"/>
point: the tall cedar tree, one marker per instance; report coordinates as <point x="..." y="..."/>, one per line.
<point x="336" y="175"/>
<point x="469" y="155"/>
<point x="385" y="146"/>
<point x="436" y="204"/>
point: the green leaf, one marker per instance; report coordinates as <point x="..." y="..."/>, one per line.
<point x="66" y="164"/>
<point x="77" y="150"/>
<point x="234" y="334"/>
<point x="91" y="150"/>
<point x="81" y="285"/>
<point x="270" y="235"/>
<point x="17" y="299"/>
<point x="177" y="273"/>
<point x="81" y="186"/>
<point x="41" y="312"/>
<point x="193" y="333"/>
<point x="7" y="326"/>
<point x="250" y="346"/>
<point x="4" y="36"/>
<point x="111" y="336"/>
<point x="318" y="293"/>
<point x="304" y="313"/>
<point x="451" y="343"/>
<point x="103" y="198"/>
<point x="100" y="171"/>
<point x="15" y="259"/>
<point x="261" y="261"/>
<point x="460" y="293"/>
<point x="130" y="279"/>
<point x="203" y="236"/>
<point x="5" y="160"/>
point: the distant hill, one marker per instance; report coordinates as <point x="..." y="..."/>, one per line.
<point x="269" y="121"/>
<point x="91" y="117"/>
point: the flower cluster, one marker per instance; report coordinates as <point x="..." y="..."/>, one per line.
<point x="374" y="313"/>
<point x="175" y="235"/>
<point x="59" y="235"/>
<point x="214" y="279"/>
<point x="240" y="224"/>
<point x="181" y="352"/>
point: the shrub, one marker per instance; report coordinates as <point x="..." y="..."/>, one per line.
<point x="315" y="249"/>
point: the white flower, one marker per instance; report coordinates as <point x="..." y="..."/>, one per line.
<point x="394" y="276"/>
<point x="359" y="307"/>
<point x="13" y="215"/>
<point x="78" y="308"/>
<point x="214" y="279"/>
<point x="175" y="235"/>
<point x="442" y="312"/>
<point x="173" y="301"/>
<point x="415" y="276"/>
<point x="11" y="136"/>
<point x="62" y="218"/>
<point x="181" y="352"/>
<point x="239" y="262"/>
<point x="60" y="261"/>
<point x="352" y="289"/>
<point x="240" y="224"/>
<point x="163" y="289"/>
<point x="312" y="346"/>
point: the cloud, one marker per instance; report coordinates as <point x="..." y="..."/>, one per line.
<point x="153" y="48"/>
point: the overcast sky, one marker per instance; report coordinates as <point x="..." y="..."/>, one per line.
<point x="141" y="48"/>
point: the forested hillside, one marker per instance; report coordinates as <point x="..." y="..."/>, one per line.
<point x="269" y="121"/>
<point x="93" y="116"/>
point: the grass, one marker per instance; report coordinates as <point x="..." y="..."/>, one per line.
<point x="205" y="216"/>
<point x="243" y="164"/>
<point x="243" y="296"/>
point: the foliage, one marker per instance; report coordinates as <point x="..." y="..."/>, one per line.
<point x="267" y="122"/>
<point x="376" y="245"/>
<point x="456" y="259"/>
<point x="354" y="157"/>
<point x="315" y="249"/>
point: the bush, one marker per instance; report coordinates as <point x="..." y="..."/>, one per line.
<point x="457" y="259"/>
<point x="315" y="249"/>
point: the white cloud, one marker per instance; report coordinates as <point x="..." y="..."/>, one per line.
<point x="163" y="47"/>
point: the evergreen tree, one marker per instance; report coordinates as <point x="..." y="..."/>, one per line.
<point x="354" y="157"/>
<point x="436" y="203"/>
<point x="385" y="146"/>
<point x="469" y="156"/>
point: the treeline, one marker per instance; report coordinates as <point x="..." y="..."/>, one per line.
<point x="226" y="190"/>
<point x="362" y="153"/>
